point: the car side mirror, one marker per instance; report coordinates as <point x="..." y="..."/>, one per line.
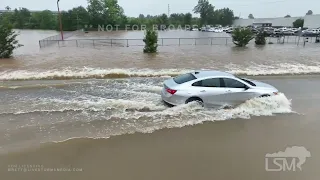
<point x="246" y="88"/>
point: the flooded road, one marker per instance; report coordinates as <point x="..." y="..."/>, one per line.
<point x="99" y="110"/>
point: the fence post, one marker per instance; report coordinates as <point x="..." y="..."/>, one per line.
<point x="40" y="44"/>
<point x="93" y="43"/>
<point x="59" y="43"/>
<point x="226" y="41"/>
<point x="127" y="42"/>
<point x="77" y="42"/>
<point x="179" y="41"/>
<point x="195" y="41"/>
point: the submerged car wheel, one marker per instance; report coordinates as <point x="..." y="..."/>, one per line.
<point x="195" y="99"/>
<point x="265" y="95"/>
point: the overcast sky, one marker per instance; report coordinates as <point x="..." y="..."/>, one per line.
<point x="259" y="8"/>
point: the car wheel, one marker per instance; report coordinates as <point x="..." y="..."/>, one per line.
<point x="265" y="95"/>
<point x="195" y="99"/>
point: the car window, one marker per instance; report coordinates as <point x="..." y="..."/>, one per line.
<point x="212" y="82"/>
<point x="184" y="78"/>
<point x="231" y="83"/>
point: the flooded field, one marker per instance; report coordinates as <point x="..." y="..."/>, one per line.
<point x="99" y="109"/>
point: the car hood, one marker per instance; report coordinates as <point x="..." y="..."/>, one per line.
<point x="261" y="84"/>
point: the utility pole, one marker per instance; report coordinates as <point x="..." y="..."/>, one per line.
<point x="77" y="21"/>
<point x="61" y="31"/>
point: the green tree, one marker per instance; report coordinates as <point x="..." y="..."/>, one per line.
<point x="223" y="17"/>
<point x="206" y="10"/>
<point x="8" y="8"/>
<point x="298" y="23"/>
<point x="75" y="19"/>
<point x="95" y="9"/>
<point x="251" y="16"/>
<point x="260" y="38"/>
<point x="45" y="20"/>
<point x="187" y="20"/>
<point x="242" y="36"/>
<point x="80" y="17"/>
<point x="163" y="21"/>
<point x="309" y="12"/>
<point x="151" y="41"/>
<point x="21" y="18"/>
<point x="8" y="41"/>
<point x="7" y="18"/>
<point x="113" y="13"/>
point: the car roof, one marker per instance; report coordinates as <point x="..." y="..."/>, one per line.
<point x="207" y="73"/>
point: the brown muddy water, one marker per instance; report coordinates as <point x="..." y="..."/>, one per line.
<point x="84" y="112"/>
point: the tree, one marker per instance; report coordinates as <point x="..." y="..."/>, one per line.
<point x="141" y="16"/>
<point x="261" y="38"/>
<point x="7" y="8"/>
<point x="21" y="17"/>
<point x="75" y="18"/>
<point x="223" y="17"/>
<point x="44" y="20"/>
<point x="187" y="19"/>
<point x="151" y="41"/>
<point x="287" y="16"/>
<point x="242" y="36"/>
<point x="113" y="13"/>
<point x="251" y="16"/>
<point x="298" y="23"/>
<point x="163" y="20"/>
<point x="205" y="9"/>
<point x="95" y="9"/>
<point x="8" y="41"/>
<point x="309" y="12"/>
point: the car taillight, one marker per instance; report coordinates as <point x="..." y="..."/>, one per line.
<point x="171" y="91"/>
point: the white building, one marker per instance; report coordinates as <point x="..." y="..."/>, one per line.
<point x="310" y="21"/>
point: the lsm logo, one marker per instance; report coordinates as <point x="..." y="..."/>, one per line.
<point x="289" y="160"/>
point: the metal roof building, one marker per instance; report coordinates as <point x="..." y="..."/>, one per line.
<point x="310" y="21"/>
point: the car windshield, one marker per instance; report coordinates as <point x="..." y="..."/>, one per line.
<point x="246" y="80"/>
<point x="184" y="78"/>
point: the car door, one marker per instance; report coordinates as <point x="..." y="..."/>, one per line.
<point x="210" y="91"/>
<point x="237" y="92"/>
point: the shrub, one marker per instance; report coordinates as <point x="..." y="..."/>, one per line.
<point x="8" y="41"/>
<point x="151" y="41"/>
<point x="241" y="36"/>
<point x="261" y="38"/>
<point x="298" y="23"/>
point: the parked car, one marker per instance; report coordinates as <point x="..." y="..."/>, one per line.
<point x="213" y="88"/>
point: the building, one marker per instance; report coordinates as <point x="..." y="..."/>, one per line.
<point x="310" y="21"/>
<point x="262" y="24"/>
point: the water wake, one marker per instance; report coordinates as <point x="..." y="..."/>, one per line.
<point x="192" y="114"/>
<point x="88" y="72"/>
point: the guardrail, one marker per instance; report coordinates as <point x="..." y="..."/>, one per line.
<point x="52" y="39"/>
<point x="209" y="41"/>
<point x="139" y="42"/>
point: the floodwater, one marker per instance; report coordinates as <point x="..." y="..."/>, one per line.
<point x="96" y="112"/>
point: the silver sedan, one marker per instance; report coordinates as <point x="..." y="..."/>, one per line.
<point x="213" y="89"/>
